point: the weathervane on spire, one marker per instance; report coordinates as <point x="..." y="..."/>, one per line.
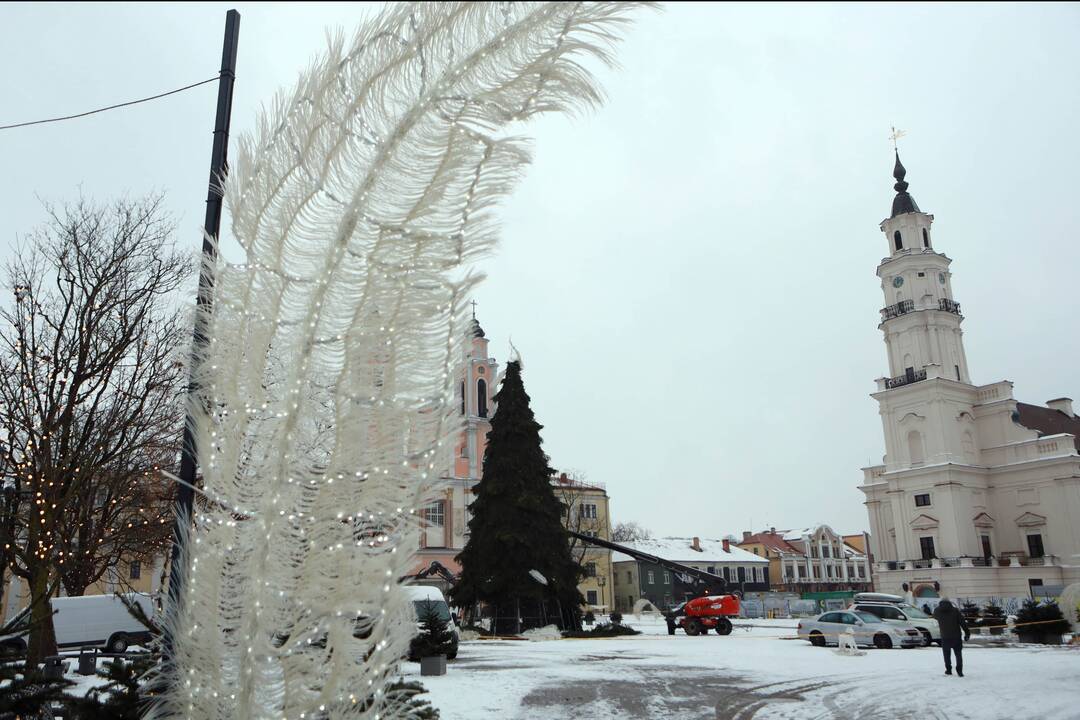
<point x="896" y="135"/>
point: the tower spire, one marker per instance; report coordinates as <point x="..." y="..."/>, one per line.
<point x="903" y="202"/>
<point x="474" y="327"/>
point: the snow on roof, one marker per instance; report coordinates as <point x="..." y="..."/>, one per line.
<point x="681" y="550"/>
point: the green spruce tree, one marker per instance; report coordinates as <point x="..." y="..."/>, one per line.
<point x="435" y="637"/>
<point x="517" y="561"/>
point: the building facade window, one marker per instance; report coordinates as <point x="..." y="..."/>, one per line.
<point x="925" y="238"/>
<point x="435" y="513"/>
<point x="481" y="398"/>
<point x="667" y="578"/>
<point x="652" y="578"/>
<point x="1035" y="545"/>
<point x="926" y="546"/>
<point x="590" y="597"/>
<point x="987" y="554"/>
<point x="899" y="242"/>
<point x="922" y="500"/>
<point x="629" y="576"/>
<point x="588" y="511"/>
<point x="590" y="569"/>
<point x="135" y="570"/>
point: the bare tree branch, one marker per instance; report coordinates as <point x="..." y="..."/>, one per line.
<point x="91" y="382"/>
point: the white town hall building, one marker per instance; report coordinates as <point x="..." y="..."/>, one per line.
<point x="978" y="494"/>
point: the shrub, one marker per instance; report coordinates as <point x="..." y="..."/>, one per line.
<point x="603" y="630"/>
<point x="1047" y="619"/>
<point x="589" y="617"/>
<point x="970" y="611"/>
<point x="615" y="617"/>
<point x="993" y="617"/>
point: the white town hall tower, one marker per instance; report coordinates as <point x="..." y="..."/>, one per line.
<point x="978" y="495"/>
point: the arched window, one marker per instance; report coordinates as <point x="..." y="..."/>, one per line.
<point x="915" y="447"/>
<point x="897" y="240"/>
<point x="481" y="398"/>
<point x="925" y="238"/>
<point x="462" y="397"/>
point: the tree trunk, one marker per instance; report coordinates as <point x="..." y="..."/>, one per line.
<point x="42" y="633"/>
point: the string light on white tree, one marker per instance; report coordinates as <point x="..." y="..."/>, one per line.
<point x="360" y="203"/>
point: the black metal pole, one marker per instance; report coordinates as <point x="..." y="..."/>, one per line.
<point x="185" y="493"/>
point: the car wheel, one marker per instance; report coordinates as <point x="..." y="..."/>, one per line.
<point x="693" y="628"/>
<point x="817" y="639"/>
<point x="723" y="626"/>
<point x="927" y="640"/>
<point x="882" y="641"/>
<point x="118" y="643"/>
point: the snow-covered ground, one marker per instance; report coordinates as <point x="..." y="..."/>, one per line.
<point x="752" y="673"/>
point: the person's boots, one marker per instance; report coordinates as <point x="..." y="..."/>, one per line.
<point x="959" y="672"/>
<point x="948" y="671"/>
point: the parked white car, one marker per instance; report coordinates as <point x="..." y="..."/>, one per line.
<point x="902" y="613"/>
<point x="867" y="629"/>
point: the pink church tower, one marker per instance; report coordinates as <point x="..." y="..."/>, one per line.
<point x="445" y="521"/>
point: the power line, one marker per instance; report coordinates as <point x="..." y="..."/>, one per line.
<point x="111" y="107"/>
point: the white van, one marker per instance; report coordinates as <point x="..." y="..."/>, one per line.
<point x="96" y="620"/>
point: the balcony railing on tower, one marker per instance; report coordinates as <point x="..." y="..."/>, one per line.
<point x="901" y="308"/>
<point x="949" y="306"/>
<point x="911" y="376"/>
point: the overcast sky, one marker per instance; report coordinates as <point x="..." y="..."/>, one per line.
<point x="688" y="272"/>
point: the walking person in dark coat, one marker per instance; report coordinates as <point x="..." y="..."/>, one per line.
<point x="951" y="622"/>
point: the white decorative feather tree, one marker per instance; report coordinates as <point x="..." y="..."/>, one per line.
<point x="360" y="203"/>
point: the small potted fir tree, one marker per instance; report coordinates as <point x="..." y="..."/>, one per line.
<point x="435" y="640"/>
<point x="970" y="611"/>
<point x="1043" y="623"/>
<point x="993" y="617"/>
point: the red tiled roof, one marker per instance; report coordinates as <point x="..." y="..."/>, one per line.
<point x="771" y="540"/>
<point x="1047" y="421"/>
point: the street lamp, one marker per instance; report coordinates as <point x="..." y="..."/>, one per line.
<point x="601" y="580"/>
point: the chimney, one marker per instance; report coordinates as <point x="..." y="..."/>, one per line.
<point x="746" y="535"/>
<point x="696" y="544"/>
<point x="562" y="478"/>
<point x="1062" y="404"/>
<point x="727" y="545"/>
<point x="772" y="530"/>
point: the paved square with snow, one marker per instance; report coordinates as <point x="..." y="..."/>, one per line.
<point x="752" y="673"/>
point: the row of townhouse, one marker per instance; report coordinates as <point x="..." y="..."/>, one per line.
<point x="638" y="582"/>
